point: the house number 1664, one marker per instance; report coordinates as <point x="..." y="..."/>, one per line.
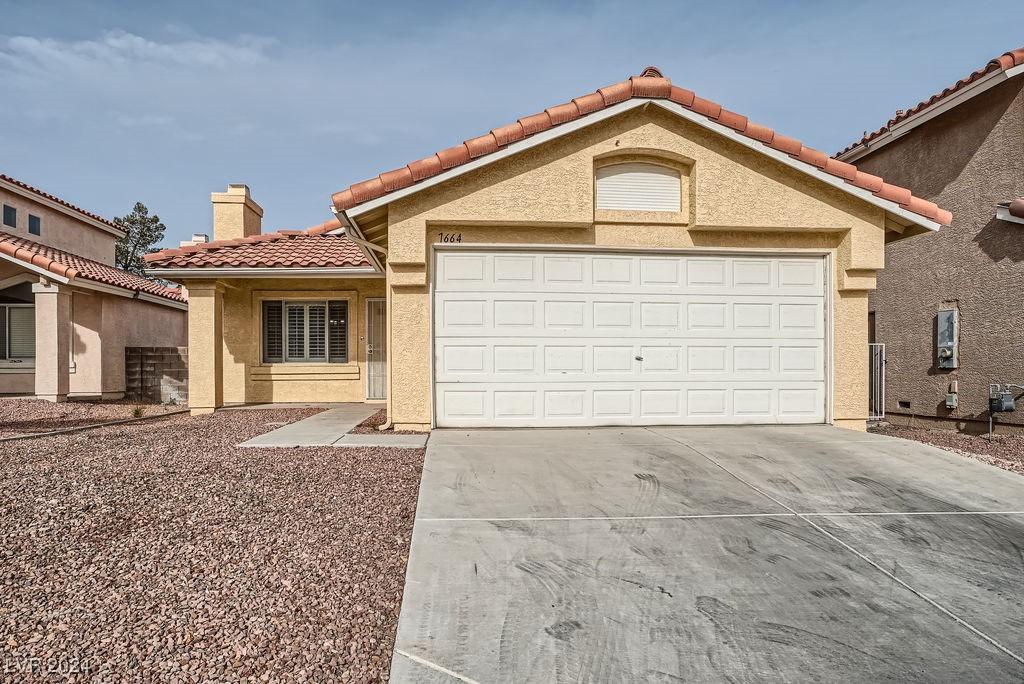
<point x="449" y="237"/>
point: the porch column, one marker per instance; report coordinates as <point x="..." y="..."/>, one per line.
<point x="205" y="347"/>
<point x="53" y="340"/>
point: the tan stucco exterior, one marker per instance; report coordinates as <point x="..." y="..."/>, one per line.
<point x="736" y="199"/>
<point x="225" y="362"/>
<point x="739" y="199"/>
<point x="59" y="229"/>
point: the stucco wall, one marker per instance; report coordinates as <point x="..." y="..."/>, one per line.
<point x="243" y="377"/>
<point x="967" y="160"/>
<point x="740" y="199"/>
<point x="59" y="229"/>
<point x="103" y="325"/>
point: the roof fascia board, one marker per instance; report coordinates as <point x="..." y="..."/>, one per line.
<point x="929" y="113"/>
<point x="50" y="204"/>
<point x="354" y="233"/>
<point x="49" y="275"/>
<point x="1003" y="214"/>
<point x="809" y="169"/>
<point x="806" y="168"/>
<point x="670" y="106"/>
<point x="508" y="151"/>
<point x="127" y="293"/>
<point x="243" y="272"/>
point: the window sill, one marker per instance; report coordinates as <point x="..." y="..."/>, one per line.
<point x="304" y="371"/>
<point x="11" y="368"/>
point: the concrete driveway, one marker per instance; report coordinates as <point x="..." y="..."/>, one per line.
<point x="710" y="554"/>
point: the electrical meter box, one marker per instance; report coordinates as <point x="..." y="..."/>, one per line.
<point x="1001" y="402"/>
<point x="947" y="334"/>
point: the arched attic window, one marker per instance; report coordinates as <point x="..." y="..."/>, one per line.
<point x="638" y="186"/>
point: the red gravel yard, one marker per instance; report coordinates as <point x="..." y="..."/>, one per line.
<point x="1003" y="451"/>
<point x="25" y="416"/>
<point x="159" y="551"/>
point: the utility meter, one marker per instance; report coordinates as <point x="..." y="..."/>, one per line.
<point x="1001" y="402"/>
<point x="947" y="333"/>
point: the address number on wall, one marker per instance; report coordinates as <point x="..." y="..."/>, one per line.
<point x="449" y="237"/>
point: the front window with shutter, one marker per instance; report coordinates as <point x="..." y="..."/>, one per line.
<point x="17" y="332"/>
<point x="299" y="331"/>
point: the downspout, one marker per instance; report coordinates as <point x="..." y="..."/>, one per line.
<point x="352" y="231"/>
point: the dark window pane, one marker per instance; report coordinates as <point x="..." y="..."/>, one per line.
<point x="35" y="226"/>
<point x="3" y="332"/>
<point x="273" y="331"/>
<point x="338" y="332"/>
<point x="10" y="216"/>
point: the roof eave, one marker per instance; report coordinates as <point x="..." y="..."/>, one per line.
<point x="928" y="113"/>
<point x="56" y="206"/>
<point x="599" y="115"/>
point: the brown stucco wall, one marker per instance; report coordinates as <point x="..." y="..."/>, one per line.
<point x="60" y="230"/>
<point x="966" y="160"/>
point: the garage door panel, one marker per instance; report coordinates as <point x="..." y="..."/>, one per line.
<point x="511" y="404"/>
<point x="602" y="315"/>
<point x="576" y="339"/>
<point x="571" y="359"/>
<point x="611" y="273"/>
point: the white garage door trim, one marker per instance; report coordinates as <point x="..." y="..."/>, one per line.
<point x="682" y="292"/>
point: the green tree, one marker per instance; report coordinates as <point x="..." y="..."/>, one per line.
<point x="141" y="233"/>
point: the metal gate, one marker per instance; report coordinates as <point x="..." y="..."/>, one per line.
<point x="376" y="349"/>
<point x="876" y="383"/>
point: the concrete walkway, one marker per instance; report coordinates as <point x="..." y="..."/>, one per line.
<point x="331" y="428"/>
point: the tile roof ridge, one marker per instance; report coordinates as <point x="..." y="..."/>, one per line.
<point x="1004" y="62"/>
<point x="649" y="84"/>
<point x="319" y="229"/>
<point x="53" y="198"/>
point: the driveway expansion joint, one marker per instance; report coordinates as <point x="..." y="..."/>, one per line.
<point x="807" y="518"/>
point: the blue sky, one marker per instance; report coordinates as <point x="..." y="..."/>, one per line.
<point x="106" y="103"/>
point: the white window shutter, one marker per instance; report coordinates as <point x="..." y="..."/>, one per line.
<point x="638" y="187"/>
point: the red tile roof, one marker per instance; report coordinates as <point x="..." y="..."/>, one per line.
<point x="74" y="267"/>
<point x="1003" y="62"/>
<point x="311" y="248"/>
<point x="649" y="84"/>
<point x="58" y="200"/>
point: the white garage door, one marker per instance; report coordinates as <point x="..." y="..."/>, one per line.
<point x="571" y="338"/>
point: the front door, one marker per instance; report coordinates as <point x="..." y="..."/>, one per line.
<point x="376" y="350"/>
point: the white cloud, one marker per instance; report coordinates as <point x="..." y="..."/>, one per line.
<point x="118" y="48"/>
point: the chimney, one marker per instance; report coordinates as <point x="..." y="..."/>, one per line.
<point x="235" y="214"/>
<point x="197" y="239"/>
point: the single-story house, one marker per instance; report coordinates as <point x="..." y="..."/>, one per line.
<point x="66" y="312"/>
<point x="638" y="255"/>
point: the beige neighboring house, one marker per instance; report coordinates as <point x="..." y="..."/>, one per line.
<point x="66" y="313"/>
<point x="635" y="256"/>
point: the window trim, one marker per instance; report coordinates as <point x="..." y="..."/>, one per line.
<point x="350" y="297"/>
<point x="16" y="361"/>
<point x="39" y="225"/>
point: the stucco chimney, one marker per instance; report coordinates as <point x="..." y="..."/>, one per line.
<point x="235" y="214"/>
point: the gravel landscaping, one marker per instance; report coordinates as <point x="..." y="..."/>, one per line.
<point x="27" y="416"/>
<point x="159" y="551"/>
<point x="1004" y="451"/>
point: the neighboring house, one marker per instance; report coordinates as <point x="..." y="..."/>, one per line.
<point x="638" y="255"/>
<point x="962" y="148"/>
<point x="66" y="313"/>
